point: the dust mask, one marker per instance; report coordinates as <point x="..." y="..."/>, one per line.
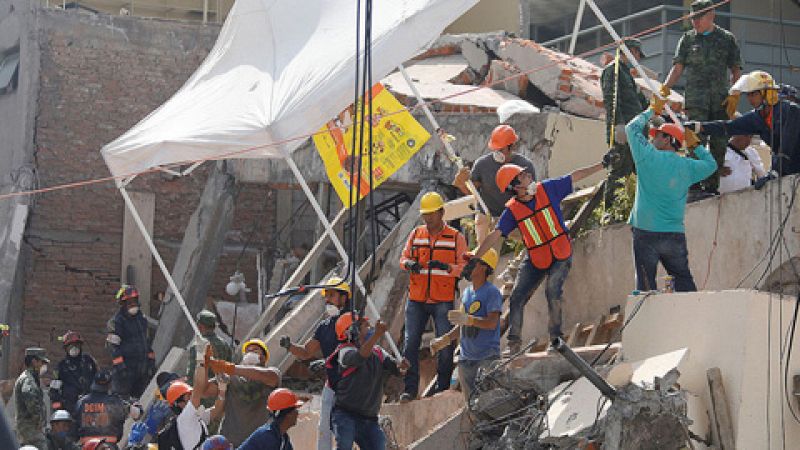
<point x="133" y="310"/>
<point x="43" y="369"/>
<point x="331" y="310"/>
<point x="74" y="351"/>
<point x="251" y="359"/>
<point x="498" y="157"/>
<point x="532" y="189"/>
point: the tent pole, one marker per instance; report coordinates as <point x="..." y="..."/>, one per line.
<point x="339" y="247"/>
<point x="450" y="152"/>
<point x="157" y="256"/>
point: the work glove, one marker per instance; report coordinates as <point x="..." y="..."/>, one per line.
<point x="610" y="158"/>
<point x="466" y="272"/>
<point x="437" y="344"/>
<point x="413" y="266"/>
<point x="155" y="416"/>
<point x="692" y="140"/>
<point x="695" y="126"/>
<point x="137" y="434"/>
<point x="763" y="180"/>
<point x="664" y="91"/>
<point x="657" y="104"/>
<point x="316" y="366"/>
<point x="219" y="366"/>
<point x="730" y="103"/>
<point x="135" y="411"/>
<point x="461" y="177"/>
<point x="436" y="264"/>
<point x="285" y="342"/>
<point x="222" y="384"/>
<point x="460" y="317"/>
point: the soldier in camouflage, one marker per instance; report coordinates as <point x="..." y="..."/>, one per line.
<point x="623" y="101"/>
<point x="206" y="324"/>
<point x="31" y="410"/>
<point x="707" y="52"/>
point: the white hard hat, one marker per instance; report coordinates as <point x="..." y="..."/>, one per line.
<point x="61" y="415"/>
<point x="754" y="81"/>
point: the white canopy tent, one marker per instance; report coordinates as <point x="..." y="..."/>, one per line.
<point x="276" y="74"/>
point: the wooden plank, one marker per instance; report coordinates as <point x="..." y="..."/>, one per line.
<point x="720" y="410"/>
<point x="573" y="335"/>
<point x="577" y="222"/>
<point x="593" y="335"/>
<point x="137" y="261"/>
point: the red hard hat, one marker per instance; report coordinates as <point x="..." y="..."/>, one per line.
<point x="506" y="174"/>
<point x="71" y="337"/>
<point x="176" y="390"/>
<point x="671" y="129"/>
<point x="281" y="399"/>
<point x="126" y="292"/>
<point x="93" y="443"/>
<point x="502" y="137"/>
<point x="343" y="323"/>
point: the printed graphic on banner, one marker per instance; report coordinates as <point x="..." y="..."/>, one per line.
<point x="395" y="139"/>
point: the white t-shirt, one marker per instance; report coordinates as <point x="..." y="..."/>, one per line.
<point x="192" y="422"/>
<point x="741" y="169"/>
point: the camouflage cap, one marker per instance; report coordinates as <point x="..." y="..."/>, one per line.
<point x="207" y="318"/>
<point x="634" y="43"/>
<point x="37" y="352"/>
<point x="698" y="5"/>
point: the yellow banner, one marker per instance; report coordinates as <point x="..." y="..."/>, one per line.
<point x="395" y="139"/>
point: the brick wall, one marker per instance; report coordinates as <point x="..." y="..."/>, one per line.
<point x="99" y="76"/>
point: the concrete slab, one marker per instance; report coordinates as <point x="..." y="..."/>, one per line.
<point x="450" y="434"/>
<point x="643" y="373"/>
<point x="575" y="409"/>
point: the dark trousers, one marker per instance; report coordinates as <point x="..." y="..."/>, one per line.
<point x="417" y="314"/>
<point x="528" y="278"/>
<point x="131" y="381"/>
<point x="619" y="170"/>
<point x="350" y="428"/>
<point x="650" y="248"/>
<point x="717" y="145"/>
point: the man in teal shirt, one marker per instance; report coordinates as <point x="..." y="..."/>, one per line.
<point x="663" y="180"/>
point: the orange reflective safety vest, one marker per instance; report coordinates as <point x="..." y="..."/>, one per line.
<point x="433" y="285"/>
<point x="542" y="232"/>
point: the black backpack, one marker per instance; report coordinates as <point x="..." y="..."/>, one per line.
<point x="168" y="438"/>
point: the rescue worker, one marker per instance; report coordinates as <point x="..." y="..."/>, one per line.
<point x="325" y="342"/>
<point x="536" y="211"/>
<point x="31" y="411"/>
<point x="477" y="321"/>
<point x="662" y="184"/>
<point x="74" y="374"/>
<point x="100" y="414"/>
<point x="503" y="144"/>
<point x="433" y="255"/>
<point x="363" y="367"/>
<point x="58" y="438"/>
<point x="623" y="100"/>
<point x="251" y="382"/>
<point x="207" y="324"/>
<point x="132" y="357"/>
<point x="776" y="121"/>
<point x="283" y="404"/>
<point x="707" y="52"/>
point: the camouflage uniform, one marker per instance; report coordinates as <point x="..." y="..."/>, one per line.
<point x="629" y="103"/>
<point x="31" y="410"/>
<point x="706" y="60"/>
<point x="222" y="350"/>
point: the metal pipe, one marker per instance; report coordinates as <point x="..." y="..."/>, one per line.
<point x="584" y="368"/>
<point x="576" y="28"/>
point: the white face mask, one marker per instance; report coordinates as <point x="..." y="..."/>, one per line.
<point x="251" y="359"/>
<point x="498" y="157"/>
<point x="43" y="369"/>
<point x="133" y="310"/>
<point x="74" y="351"/>
<point x="532" y="189"/>
<point x="331" y="310"/>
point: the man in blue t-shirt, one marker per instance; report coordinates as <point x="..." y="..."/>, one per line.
<point x="325" y="341"/>
<point x="535" y="210"/>
<point x="478" y="322"/>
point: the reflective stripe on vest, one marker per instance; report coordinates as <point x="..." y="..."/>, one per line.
<point x="433" y="285"/>
<point x="541" y="230"/>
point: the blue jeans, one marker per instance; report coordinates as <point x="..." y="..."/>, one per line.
<point x="417" y="314"/>
<point x="650" y="247"/>
<point x="468" y="371"/>
<point x="528" y="278"/>
<point x="349" y="428"/>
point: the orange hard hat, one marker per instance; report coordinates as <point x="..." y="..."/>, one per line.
<point x="176" y="390"/>
<point x="506" y="174"/>
<point x="671" y="129"/>
<point x="281" y="399"/>
<point x="502" y="137"/>
<point x="343" y="323"/>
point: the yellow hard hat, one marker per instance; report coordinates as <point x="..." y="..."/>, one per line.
<point x="490" y="258"/>
<point x="337" y="284"/>
<point x="431" y="202"/>
<point x="259" y="343"/>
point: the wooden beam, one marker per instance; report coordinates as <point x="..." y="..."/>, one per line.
<point x="720" y="411"/>
<point x="137" y="261"/>
<point x="585" y="211"/>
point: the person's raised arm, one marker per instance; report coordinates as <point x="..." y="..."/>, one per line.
<point x="489" y="241"/>
<point x="583" y="172"/>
